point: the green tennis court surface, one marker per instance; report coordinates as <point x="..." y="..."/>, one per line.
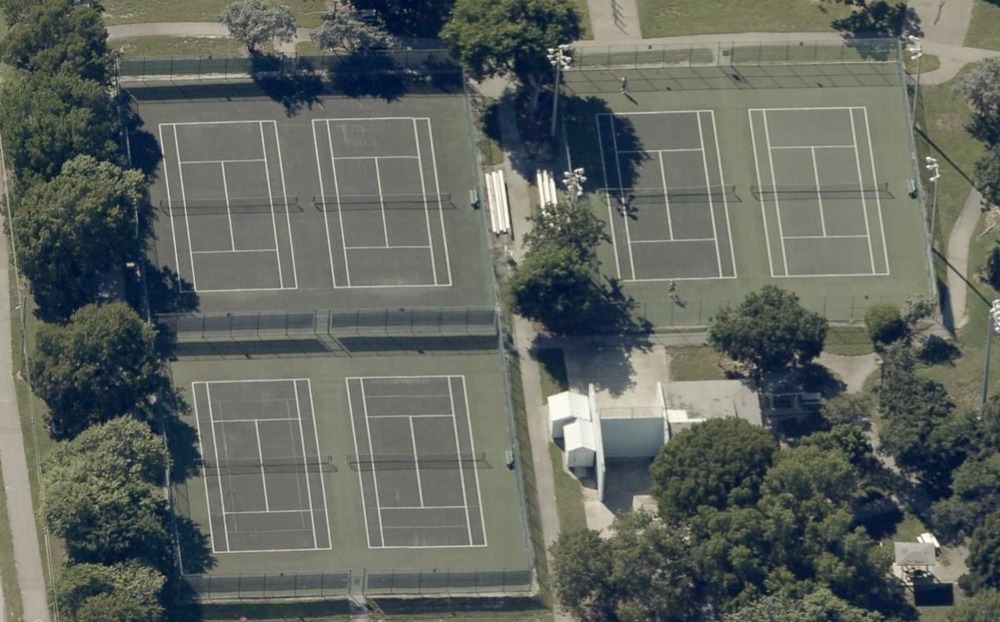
<point x="719" y="180"/>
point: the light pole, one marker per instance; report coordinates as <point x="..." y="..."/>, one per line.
<point x="573" y="180"/>
<point x="916" y="50"/>
<point x="561" y="60"/>
<point x="992" y="327"/>
<point x="935" y="169"/>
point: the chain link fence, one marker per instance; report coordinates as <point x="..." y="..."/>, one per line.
<point x="216" y="588"/>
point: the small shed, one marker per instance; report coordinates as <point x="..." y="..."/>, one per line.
<point x="564" y="408"/>
<point x="580" y="444"/>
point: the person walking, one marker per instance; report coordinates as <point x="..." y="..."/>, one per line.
<point x="624" y="83"/>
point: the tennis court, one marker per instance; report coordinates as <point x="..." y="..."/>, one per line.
<point x="263" y="474"/>
<point x="819" y="191"/>
<point x="260" y="210"/>
<point x="669" y="218"/>
<point x="416" y="461"/>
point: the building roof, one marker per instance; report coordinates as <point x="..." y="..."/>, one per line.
<point x="568" y="405"/>
<point x="915" y="553"/>
<point x="580" y="435"/>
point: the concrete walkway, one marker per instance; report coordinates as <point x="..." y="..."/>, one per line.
<point x="20" y="509"/>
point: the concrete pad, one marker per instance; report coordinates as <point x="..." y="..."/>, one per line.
<point x="622" y="376"/>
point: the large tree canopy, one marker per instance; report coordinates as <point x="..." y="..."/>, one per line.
<point x="343" y="30"/>
<point x="819" y="605"/>
<point x="73" y="227"/>
<point x="717" y="463"/>
<point x="103" y="495"/>
<point x="510" y="38"/>
<point x="981" y="607"/>
<point x="59" y="35"/>
<point x="409" y="18"/>
<point x="769" y="330"/>
<point x="101" y="365"/>
<point x="50" y="119"/>
<point x="984" y="555"/>
<point x="644" y="571"/>
<point x="981" y="88"/>
<point x="255" y="22"/>
<point x="554" y="282"/>
<point x="128" y="592"/>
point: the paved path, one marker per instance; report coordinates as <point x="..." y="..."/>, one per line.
<point x="20" y="509"/>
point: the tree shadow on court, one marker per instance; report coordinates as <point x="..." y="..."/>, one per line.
<point x="294" y="92"/>
<point x="167" y="291"/>
<point x="592" y="145"/>
<point x="875" y="20"/>
<point x="368" y="74"/>
<point x="193" y="546"/>
<point x="142" y="148"/>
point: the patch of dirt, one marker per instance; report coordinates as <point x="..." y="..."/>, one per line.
<point x="951" y="121"/>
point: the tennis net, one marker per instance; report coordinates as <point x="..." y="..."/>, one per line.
<point x="274" y="465"/>
<point x="345" y="202"/>
<point x="807" y="192"/>
<point x="389" y="462"/>
<point x="693" y="194"/>
<point x="245" y="205"/>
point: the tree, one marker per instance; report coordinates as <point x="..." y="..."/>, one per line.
<point x="820" y="604"/>
<point x="553" y="283"/>
<point x="769" y="331"/>
<point x="409" y="18"/>
<point x="58" y="35"/>
<point x="818" y="479"/>
<point x="644" y="571"/>
<point x="981" y="607"/>
<point x="975" y="494"/>
<point x="510" y="38"/>
<point x="850" y="440"/>
<point x="847" y="408"/>
<point x="72" y="228"/>
<point x="991" y="269"/>
<point x="884" y="324"/>
<point x="50" y="119"/>
<point x="718" y="463"/>
<point x="103" y="495"/>
<point x="986" y="176"/>
<point x="255" y="22"/>
<point x="984" y="555"/>
<point x="581" y="573"/>
<point x="981" y="89"/>
<point x="103" y="364"/>
<point x="343" y="30"/>
<point x="128" y="592"/>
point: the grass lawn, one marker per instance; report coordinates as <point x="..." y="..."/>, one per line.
<point x="929" y="62"/>
<point x="667" y="18"/>
<point x="569" y="495"/>
<point x="984" y="27"/>
<point x="178" y="47"/>
<point x="307" y="12"/>
<point x="847" y="341"/>
<point x="695" y="363"/>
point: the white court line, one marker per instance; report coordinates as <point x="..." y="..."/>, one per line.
<point x="381" y="157"/>
<point x="322" y="193"/>
<point x="440" y="214"/>
<point x="248" y="250"/>
<point x="225" y="161"/>
<point x="371" y="452"/>
<point x="322" y="482"/>
<point x="263" y="477"/>
<point x="774" y="183"/>
<point x="340" y="212"/>
<point x="305" y="459"/>
<point x="270" y="198"/>
<point x="611" y="209"/>
<point x="255" y="420"/>
<point x="673" y="241"/>
<point x="240" y="289"/>
<point x="201" y="452"/>
<point x="229" y="212"/>
<point x="420" y="416"/>
<point x="254" y="381"/>
<point x="187" y="220"/>
<point x="222" y="122"/>
<point x="825" y="237"/>
<point x="357" y="452"/>
<point x="244" y="512"/>
<point x="864" y="201"/>
<point x="825" y="275"/>
<point x="381" y="204"/>
<point x="725" y="199"/>
<point x="215" y="443"/>
<point x="666" y="195"/>
<point x="813" y="146"/>
<point x="416" y="462"/>
<point x="680" y="150"/>
<point x="819" y="192"/>
<point x="878" y="198"/>
<point x="760" y="184"/>
<point x="288" y="212"/>
<point x="382" y="248"/>
<point x="170" y="215"/>
<point x="618" y="165"/>
<point x="423" y="191"/>
<point x="475" y="467"/>
<point x="711" y="201"/>
<point x="421" y="507"/>
<point x="461" y="467"/>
